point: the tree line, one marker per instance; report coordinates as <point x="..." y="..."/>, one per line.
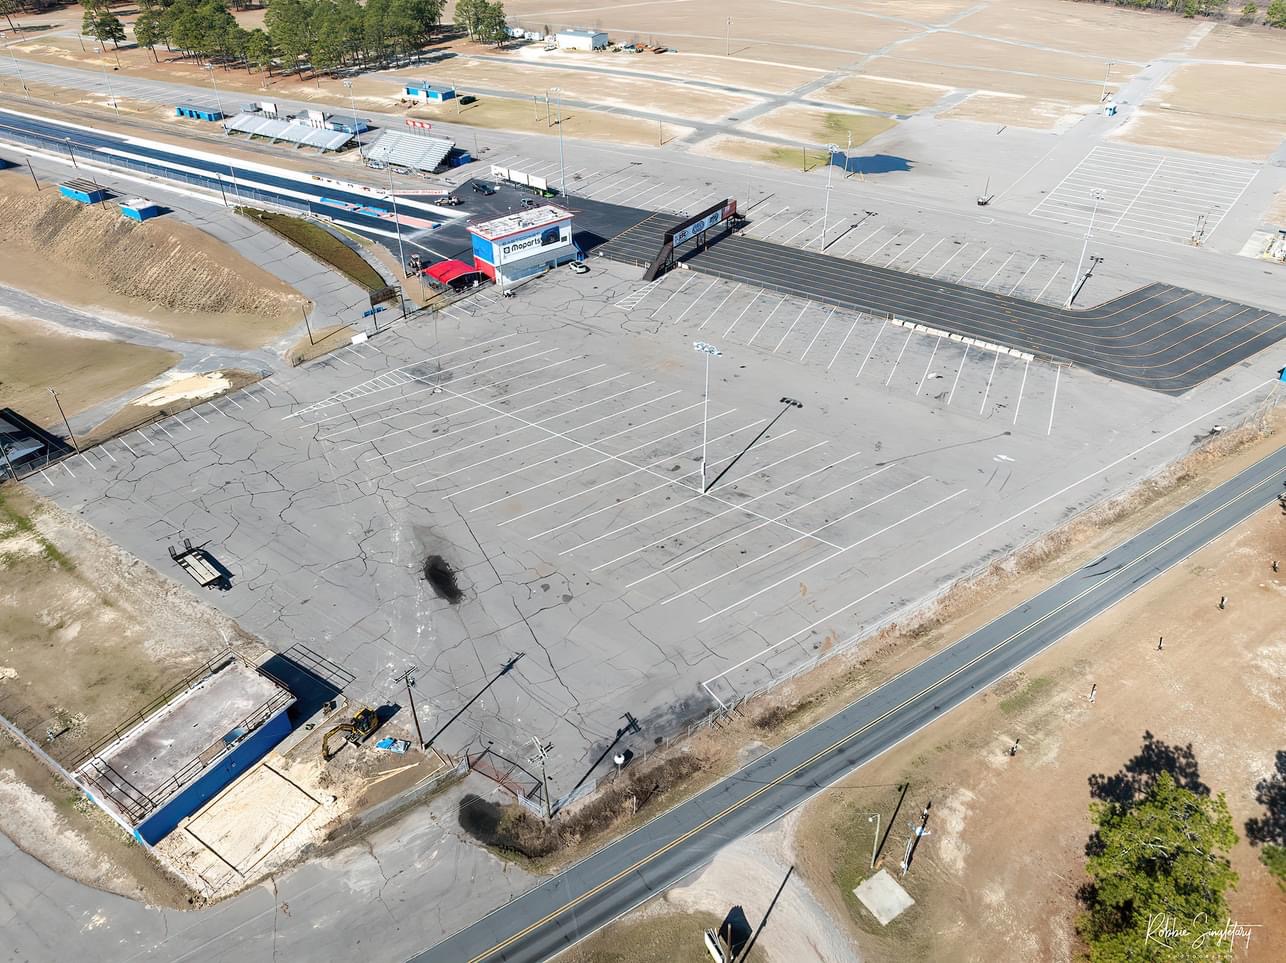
<point x="324" y="36"/>
<point x="1275" y="16"/>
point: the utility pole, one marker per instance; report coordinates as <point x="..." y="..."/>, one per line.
<point x="32" y="172"/>
<point x="728" y="38"/>
<point x="917" y="833"/>
<point x="541" y="750"/>
<point x="71" y="153"/>
<point x="562" y="163"/>
<point x="1106" y="73"/>
<point x="710" y="351"/>
<point x="302" y="310"/>
<point x="66" y="423"/>
<point x="848" y="151"/>
<point x="409" y="679"/>
<point x="21" y="80"/>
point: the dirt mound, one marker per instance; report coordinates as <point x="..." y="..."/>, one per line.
<point x="167" y="263"/>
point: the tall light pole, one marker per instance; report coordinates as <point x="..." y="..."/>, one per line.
<point x="66" y="423"/>
<point x="710" y="351"/>
<point x="401" y="253"/>
<point x="22" y="80"/>
<point x="562" y="164"/>
<point x="1107" y="72"/>
<point x="1098" y="196"/>
<point x="111" y="93"/>
<point x="728" y="38"/>
<point x="218" y="101"/>
<point x="353" y="104"/>
<point x="830" y="169"/>
<point x="71" y="153"/>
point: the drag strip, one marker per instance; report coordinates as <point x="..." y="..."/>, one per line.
<point x="1161" y="337"/>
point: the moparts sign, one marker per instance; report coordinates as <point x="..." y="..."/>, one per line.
<point x="524" y="245"/>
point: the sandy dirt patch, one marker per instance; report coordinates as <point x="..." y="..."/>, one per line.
<point x="1225" y="91"/>
<point x="164" y="275"/>
<point x="758" y="152"/>
<point x="894" y="96"/>
<point x="988" y="65"/>
<point x="183" y="392"/>
<point x="86" y="371"/>
<point x="993" y="883"/>
<point x="54" y="823"/>
<point x="92" y="634"/>
<point x="1017" y="111"/>
<point x="1276" y="214"/>
<point x="761" y="29"/>
<point x="498" y="113"/>
<point x="1202" y="133"/>
<point x="755" y="75"/>
<point x="1260" y="45"/>
<point x="645" y="93"/>
<point x="1090" y="28"/>
<point x="814" y="125"/>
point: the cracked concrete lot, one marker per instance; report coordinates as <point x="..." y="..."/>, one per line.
<point x="548" y="447"/>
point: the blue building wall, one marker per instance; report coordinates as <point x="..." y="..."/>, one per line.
<point x="143" y="212"/>
<point x="85" y="197"/>
<point x="162" y="822"/>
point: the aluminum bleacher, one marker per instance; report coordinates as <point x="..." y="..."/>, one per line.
<point x="257" y="125"/>
<point x="415" y="152"/>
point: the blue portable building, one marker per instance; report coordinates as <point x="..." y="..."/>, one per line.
<point x="138" y="209"/>
<point x="433" y="93"/>
<point x="198" y="113"/>
<point x="79" y="189"/>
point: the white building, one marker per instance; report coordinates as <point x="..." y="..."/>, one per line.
<point x="581" y="40"/>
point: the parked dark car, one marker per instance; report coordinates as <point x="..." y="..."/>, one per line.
<point x="482" y="188"/>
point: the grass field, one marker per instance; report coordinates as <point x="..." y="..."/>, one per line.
<point x="321" y="244"/>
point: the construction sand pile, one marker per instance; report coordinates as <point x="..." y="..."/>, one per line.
<point x="164" y="262"/>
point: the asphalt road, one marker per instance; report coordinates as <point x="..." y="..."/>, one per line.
<point x="1161" y="337"/>
<point x="601" y="888"/>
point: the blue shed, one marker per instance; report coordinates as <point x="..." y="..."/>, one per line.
<point x="162" y="765"/>
<point x="79" y="189"/>
<point x="433" y="93"/>
<point x="198" y="113"/>
<point x="138" y="209"/>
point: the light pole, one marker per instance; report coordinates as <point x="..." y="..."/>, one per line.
<point x="218" y="101"/>
<point x="111" y="93"/>
<point x="562" y="164"/>
<point x="728" y="38"/>
<point x="71" y="153"/>
<point x="353" y="104"/>
<point x="66" y="423"/>
<point x="397" y="221"/>
<point x="710" y="351"/>
<point x="1098" y="196"/>
<point x="847" y="153"/>
<point x="830" y="169"/>
<point x="1107" y="72"/>
<point x="22" y="80"/>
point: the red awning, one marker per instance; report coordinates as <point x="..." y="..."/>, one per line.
<point x="444" y="272"/>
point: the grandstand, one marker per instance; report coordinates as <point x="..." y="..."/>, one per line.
<point x="260" y="125"/>
<point x="412" y="152"/>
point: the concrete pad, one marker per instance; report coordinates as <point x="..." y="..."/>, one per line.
<point x="884" y="897"/>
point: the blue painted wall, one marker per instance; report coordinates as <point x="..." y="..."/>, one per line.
<point x="162" y="822"/>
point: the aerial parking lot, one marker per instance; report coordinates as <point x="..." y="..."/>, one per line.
<point x="550" y="450"/>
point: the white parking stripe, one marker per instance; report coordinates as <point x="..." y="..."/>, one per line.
<point x="983" y="407"/>
<point x="743" y="313"/>
<point x="844" y="342"/>
<point x="932" y="354"/>
<point x="1021" y="388"/>
<point x="716" y="311"/>
<point x="791" y="328"/>
<point x="897" y="362"/>
<point x="963" y="358"/>
<point x="878" y="331"/>
<point x="767" y="318"/>
<point x="818" y="334"/>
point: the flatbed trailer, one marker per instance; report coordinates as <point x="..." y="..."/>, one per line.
<point x="196" y="563"/>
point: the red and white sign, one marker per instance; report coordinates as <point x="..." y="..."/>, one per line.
<point x="418" y="124"/>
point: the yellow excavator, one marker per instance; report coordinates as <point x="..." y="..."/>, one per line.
<point x="363" y="724"/>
